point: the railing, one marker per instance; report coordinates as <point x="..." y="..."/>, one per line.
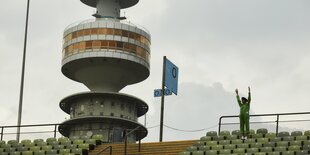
<point x="32" y="132"/>
<point x="109" y="147"/>
<point x="126" y="135"/>
<point x="277" y="121"/>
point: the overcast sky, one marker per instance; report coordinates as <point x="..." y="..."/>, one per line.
<point x="219" y="45"/>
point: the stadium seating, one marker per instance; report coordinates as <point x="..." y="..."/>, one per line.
<point x="260" y="142"/>
<point x="62" y="145"/>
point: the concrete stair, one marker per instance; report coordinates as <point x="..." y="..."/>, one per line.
<point x="153" y="148"/>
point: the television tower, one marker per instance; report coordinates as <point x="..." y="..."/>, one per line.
<point x="105" y="54"/>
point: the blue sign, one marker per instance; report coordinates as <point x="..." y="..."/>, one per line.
<point x="157" y="92"/>
<point x="171" y="78"/>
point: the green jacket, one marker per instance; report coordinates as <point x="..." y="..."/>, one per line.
<point x="244" y="108"/>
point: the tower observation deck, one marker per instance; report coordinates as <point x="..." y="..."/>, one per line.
<point x="105" y="54"/>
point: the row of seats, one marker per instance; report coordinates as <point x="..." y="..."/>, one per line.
<point x="260" y="142"/>
<point x="62" y="145"/>
<point x="242" y="152"/>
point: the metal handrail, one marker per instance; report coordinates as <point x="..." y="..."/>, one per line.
<point x="261" y="115"/>
<point x="109" y="147"/>
<point x="126" y="135"/>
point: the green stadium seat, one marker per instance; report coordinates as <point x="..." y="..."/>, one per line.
<point x="294" y="148"/>
<point x="78" y="141"/>
<point x="211" y="152"/>
<point x="84" y="137"/>
<point x="5" y="153"/>
<point x="77" y="151"/>
<point x="64" y="151"/>
<point x="20" y="149"/>
<point x="210" y="143"/>
<point x="250" y="141"/>
<point x="270" y="135"/>
<point x="2" y="142"/>
<point x="288" y="138"/>
<point x="224" y="142"/>
<point x="257" y="135"/>
<point x="262" y="131"/>
<point x="184" y="153"/>
<point x="29" y="144"/>
<point x="260" y="153"/>
<point x="296" y="142"/>
<point x="236" y="132"/>
<point x="46" y="147"/>
<point x="48" y="140"/>
<point x="274" y="153"/>
<point x="15" y="153"/>
<point x="266" y="149"/>
<point x="58" y="147"/>
<point x="302" y="138"/>
<point x="280" y="148"/>
<point x="243" y="145"/>
<point x="12" y="142"/>
<point x="41" y="144"/>
<point x="224" y="133"/>
<point x="53" y="143"/>
<point x="191" y="148"/>
<point x="66" y="142"/>
<point x="288" y="153"/>
<point x="26" y="141"/>
<point x="225" y="151"/>
<point x="11" y="149"/>
<point x="197" y="153"/>
<point x="262" y="140"/>
<point x="211" y="133"/>
<point x="6" y="146"/>
<point x="282" y="143"/>
<point x="236" y="141"/>
<point x="71" y="146"/>
<point x="232" y="137"/>
<point x="72" y="138"/>
<point x="36" y="141"/>
<point x="34" y="148"/>
<point x="296" y="133"/>
<point x="198" y="143"/>
<point x="270" y="144"/>
<point x="52" y="152"/>
<point x="239" y="150"/>
<point x="256" y="145"/>
<point x="85" y="146"/>
<point x="230" y="146"/>
<point x="283" y="134"/>
<point x="205" y="138"/>
<point x="204" y="148"/>
<point x="1" y="150"/>
<point x="306" y="147"/>
<point x="306" y="142"/>
<point x="252" y="150"/>
<point x="63" y="139"/>
<point x="39" y="152"/>
<point x="217" y="147"/>
<point x="276" y="139"/>
<point x="302" y="152"/>
<point x="307" y="133"/>
<point x="27" y="153"/>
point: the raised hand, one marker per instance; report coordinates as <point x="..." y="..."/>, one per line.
<point x="236" y="91"/>
<point x="249" y="89"/>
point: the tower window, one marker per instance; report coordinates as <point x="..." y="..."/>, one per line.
<point x="101" y="113"/>
<point x="112" y="114"/>
<point x="122" y="106"/>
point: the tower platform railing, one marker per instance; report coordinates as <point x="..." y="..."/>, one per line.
<point x="98" y="19"/>
<point x="276" y="122"/>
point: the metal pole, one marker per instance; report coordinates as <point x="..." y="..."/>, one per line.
<point x="55" y="130"/>
<point x="277" y="126"/>
<point x="125" y="145"/>
<point x="22" y="77"/>
<point x="162" y="101"/>
<point x="2" y="133"/>
<point x="140" y="145"/>
<point x="220" y="123"/>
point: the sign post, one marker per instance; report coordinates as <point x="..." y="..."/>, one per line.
<point x="169" y="80"/>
